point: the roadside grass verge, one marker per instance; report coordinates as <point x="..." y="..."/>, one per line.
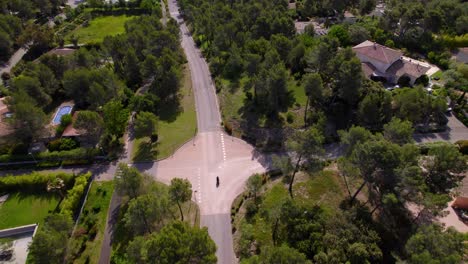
<point x="92" y="224"/>
<point x="174" y="127"/>
<point x="99" y="28"/>
<point x="24" y="209"/>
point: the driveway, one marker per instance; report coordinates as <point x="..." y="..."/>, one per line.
<point x="455" y="131"/>
<point x="14" y="59"/>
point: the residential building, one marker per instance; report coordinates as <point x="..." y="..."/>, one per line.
<point x="383" y="63"/>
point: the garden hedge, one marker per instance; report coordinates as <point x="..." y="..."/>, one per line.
<point x="72" y="200"/>
<point x="33" y="182"/>
<point x="74" y="154"/>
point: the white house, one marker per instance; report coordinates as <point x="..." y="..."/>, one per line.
<point x="379" y="61"/>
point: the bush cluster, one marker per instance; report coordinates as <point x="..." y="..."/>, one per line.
<point x="70" y="204"/>
<point x="34" y="182"/>
<point x="62" y="144"/>
<point x="64" y="122"/>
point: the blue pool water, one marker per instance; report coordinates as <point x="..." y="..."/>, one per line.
<point x="61" y="112"/>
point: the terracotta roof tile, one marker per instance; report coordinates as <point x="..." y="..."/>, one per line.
<point x="402" y="67"/>
<point x="377" y="52"/>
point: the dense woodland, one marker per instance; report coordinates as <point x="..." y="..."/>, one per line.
<point x="104" y="83"/>
<point x="393" y="191"/>
<point x="19" y="24"/>
<point x="254" y="47"/>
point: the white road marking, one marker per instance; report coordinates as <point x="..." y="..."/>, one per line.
<point x="223" y="148"/>
<point x="199" y="186"/>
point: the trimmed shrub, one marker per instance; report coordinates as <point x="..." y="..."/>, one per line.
<point x="74" y="154"/>
<point x="404" y="81"/>
<point x="34" y="182"/>
<point x="71" y="202"/>
<point x="62" y="144"/>
<point x="424" y="80"/>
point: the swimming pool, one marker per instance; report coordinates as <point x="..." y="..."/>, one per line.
<point x="66" y="109"/>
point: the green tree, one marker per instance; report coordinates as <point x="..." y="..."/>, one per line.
<point x="115" y="118"/>
<point x="347" y="76"/>
<point x="129" y="181"/>
<point x="415" y="105"/>
<point x="32" y="86"/>
<point x="145" y="125"/>
<point x="144" y="103"/>
<point x="353" y="137"/>
<point x="132" y="68"/>
<point x="339" y="32"/>
<point x="314" y="91"/>
<point x="254" y="183"/>
<point x="399" y="131"/>
<point x="376" y="161"/>
<point x="444" y="165"/>
<point x="457" y="78"/>
<point x="146" y="212"/>
<point x="358" y="34"/>
<point x="49" y="243"/>
<point x="179" y="243"/>
<point x="180" y="191"/>
<point x="307" y="146"/>
<point x="279" y="255"/>
<point x="90" y="124"/>
<point x="431" y="244"/>
<point x="375" y="109"/>
<point x="136" y="250"/>
<point x="28" y="119"/>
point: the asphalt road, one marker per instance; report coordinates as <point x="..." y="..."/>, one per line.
<point x="211" y="154"/>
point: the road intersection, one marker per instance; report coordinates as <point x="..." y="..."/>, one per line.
<point x="212" y="153"/>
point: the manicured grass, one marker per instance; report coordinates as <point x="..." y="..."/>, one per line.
<point x="172" y="132"/>
<point x="24" y="209"/>
<point x="99" y="196"/>
<point x="99" y="28"/>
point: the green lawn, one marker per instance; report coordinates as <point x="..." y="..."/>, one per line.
<point x="232" y="97"/>
<point x="438" y="74"/>
<point x="24" y="209"/>
<point x="172" y="131"/>
<point x="99" y="28"/>
<point x="96" y="207"/>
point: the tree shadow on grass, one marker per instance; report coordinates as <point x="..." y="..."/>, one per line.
<point x="170" y="109"/>
<point x="145" y="151"/>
